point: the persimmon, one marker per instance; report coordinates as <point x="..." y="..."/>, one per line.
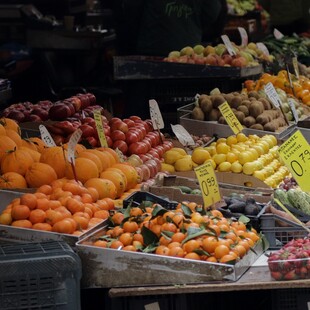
<point x="20" y="212"/>
<point x="6" y="219"/>
<point x="102" y="214"/>
<point x="42" y="226"/>
<point x="37" y="216"/>
<point x="22" y="224"/>
<point x="64" y="226"/>
<point x="29" y="199"/>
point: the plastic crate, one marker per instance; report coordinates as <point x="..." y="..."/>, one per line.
<point x="291" y="299"/>
<point x="139" y="197"/>
<point x="280" y="235"/>
<point x="43" y="275"/>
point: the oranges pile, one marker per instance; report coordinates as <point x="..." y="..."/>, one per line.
<point x="187" y="232"/>
<point x="64" y="206"/>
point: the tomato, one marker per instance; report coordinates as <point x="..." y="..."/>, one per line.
<point x="130" y="123"/>
<point x="137" y="148"/>
<point x="132" y="137"/>
<point x="117" y="135"/>
<point x="121" y="145"/>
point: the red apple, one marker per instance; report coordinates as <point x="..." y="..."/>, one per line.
<point x="134" y="118"/>
<point x="137" y="148"/>
<point x="131" y="137"/>
<point x="76" y="101"/>
<point x="129" y="122"/>
<point x="117" y="135"/>
<point x="146" y="172"/>
<point x="121" y="145"/>
<point x="87" y="130"/>
<point x="59" y="111"/>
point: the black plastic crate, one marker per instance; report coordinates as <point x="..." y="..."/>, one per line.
<point x="43" y="275"/>
<point x="140" y="196"/>
<point x="291" y="299"/>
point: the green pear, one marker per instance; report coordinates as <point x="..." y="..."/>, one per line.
<point x="220" y="49"/>
<point x="174" y="54"/>
<point x="198" y="49"/>
<point x="187" y="50"/>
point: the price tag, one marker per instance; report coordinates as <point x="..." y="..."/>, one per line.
<point x="261" y="46"/>
<point x="295" y="65"/>
<point x="74" y="139"/>
<point x="99" y="126"/>
<point x="277" y="34"/>
<point x="244" y="36"/>
<point x="46" y="136"/>
<point x="120" y="155"/>
<point x="156" y="117"/>
<point x="272" y="95"/>
<point x="228" y="45"/>
<point x="230" y="117"/>
<point x="182" y="134"/>
<point x="208" y="184"/>
<point x="295" y="152"/>
<point x="293" y="109"/>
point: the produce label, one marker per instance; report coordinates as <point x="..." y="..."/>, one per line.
<point x="230" y="118"/>
<point x="74" y="139"/>
<point x="273" y="95"/>
<point x="277" y="34"/>
<point x="99" y="126"/>
<point x="261" y="46"/>
<point x="293" y="109"/>
<point x="244" y="36"/>
<point x="295" y="153"/>
<point x="208" y="184"/>
<point x="295" y="65"/>
<point x="156" y="117"/>
<point x="183" y="135"/>
<point x="228" y="45"/>
<point x="46" y="136"/>
<point x="120" y="155"/>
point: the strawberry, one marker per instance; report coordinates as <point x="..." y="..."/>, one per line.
<point x="291" y="275"/>
<point x="277" y="275"/>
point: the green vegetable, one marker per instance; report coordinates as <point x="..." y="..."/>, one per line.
<point x="282" y="196"/>
<point x="196" y="192"/>
<point x="298" y="200"/>
<point x="184" y="189"/>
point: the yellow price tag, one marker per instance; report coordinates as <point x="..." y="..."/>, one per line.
<point x="230" y="118"/>
<point x="99" y="126"/>
<point x="295" y="153"/>
<point x="208" y="184"/>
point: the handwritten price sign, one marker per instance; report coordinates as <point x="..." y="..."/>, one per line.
<point x="208" y="184"/>
<point x="74" y="139"/>
<point x="230" y="118"/>
<point x="46" y="136"/>
<point x="99" y="126"/>
<point x="295" y="152"/>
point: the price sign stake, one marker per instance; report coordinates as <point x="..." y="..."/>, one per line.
<point x="291" y="103"/>
<point x="46" y="136"/>
<point x="183" y="135"/>
<point x="156" y="117"/>
<point x="208" y="184"/>
<point x="228" y="45"/>
<point x="295" y="65"/>
<point x="230" y="118"/>
<point x="295" y="153"/>
<point x="99" y="126"/>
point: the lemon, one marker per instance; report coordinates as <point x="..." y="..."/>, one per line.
<point x="221" y="140"/>
<point x="265" y="145"/>
<point x="244" y="157"/>
<point x="225" y="166"/>
<point x="211" y="149"/>
<point x="241" y="137"/>
<point x="222" y="148"/>
<point x="212" y="163"/>
<point x="194" y="164"/>
<point x="170" y="157"/>
<point x="231" y="140"/>
<point x="254" y="153"/>
<point x="219" y="158"/>
<point x="236" y="167"/>
<point x="259" y="174"/>
<point x="179" y="150"/>
<point x="167" y="167"/>
<point x="200" y="155"/>
<point x="183" y="164"/>
<point x="259" y="149"/>
<point x="231" y="157"/>
<point x="249" y="168"/>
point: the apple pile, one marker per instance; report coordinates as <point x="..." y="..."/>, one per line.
<point x="218" y="55"/>
<point x="45" y="109"/>
<point x="292" y="261"/>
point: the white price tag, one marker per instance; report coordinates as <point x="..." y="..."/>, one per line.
<point x="46" y="136"/>
<point x="156" y="117"/>
<point x="244" y="36"/>
<point x="228" y="45"/>
<point x="182" y="134"/>
<point x="277" y="34"/>
<point x="293" y="109"/>
<point x="152" y="306"/>
<point x="261" y="46"/>
<point x="74" y="139"/>
<point x="273" y="95"/>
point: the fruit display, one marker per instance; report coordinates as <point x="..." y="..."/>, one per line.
<point x="292" y="261"/>
<point x="187" y="232"/>
<point x="252" y="155"/>
<point x="300" y="88"/>
<point x="45" y="109"/>
<point x="241" y="8"/>
<point x="63" y="206"/>
<point x="253" y="109"/>
<point x="219" y="56"/>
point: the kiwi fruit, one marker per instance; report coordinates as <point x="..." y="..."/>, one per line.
<point x="214" y="115"/>
<point x="266" y="103"/>
<point x="228" y="97"/>
<point x="271" y="126"/>
<point x="249" y="121"/>
<point x="236" y="102"/>
<point x="217" y="100"/>
<point x="205" y="104"/>
<point x="257" y="126"/>
<point x="240" y="116"/>
<point x="246" y="102"/>
<point x="256" y="108"/>
<point x="254" y="94"/>
<point x="262" y="119"/>
<point x="222" y="120"/>
<point x="198" y="114"/>
<point x="244" y="109"/>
